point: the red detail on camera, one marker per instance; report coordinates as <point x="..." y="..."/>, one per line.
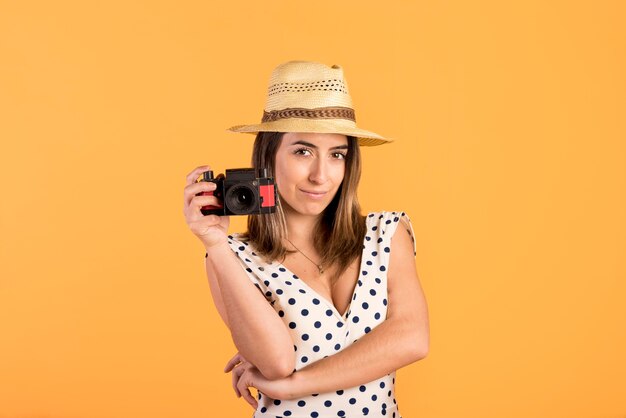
<point x="267" y="194"/>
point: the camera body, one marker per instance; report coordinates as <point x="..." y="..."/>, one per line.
<point x="242" y="191"/>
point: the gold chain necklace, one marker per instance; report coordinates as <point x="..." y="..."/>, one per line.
<point x="320" y="268"/>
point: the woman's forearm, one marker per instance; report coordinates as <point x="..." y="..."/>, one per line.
<point x="388" y="347"/>
<point x="216" y="293"/>
<point x="257" y="331"/>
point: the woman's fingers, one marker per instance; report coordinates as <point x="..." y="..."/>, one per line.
<point x="239" y="366"/>
<point x="237" y="358"/>
<point x="197" y="202"/>
<point x="235" y="379"/>
<point x="232" y="363"/>
<point x="242" y="386"/>
<point x="250" y="399"/>
<point x="195" y="173"/>
<point x="193" y="187"/>
<point x="193" y="202"/>
<point x="235" y="364"/>
<point x="210" y="229"/>
<point x="192" y="190"/>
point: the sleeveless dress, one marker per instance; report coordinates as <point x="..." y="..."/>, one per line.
<point x="319" y="330"/>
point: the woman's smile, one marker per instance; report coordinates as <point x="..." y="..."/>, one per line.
<point x="314" y="194"/>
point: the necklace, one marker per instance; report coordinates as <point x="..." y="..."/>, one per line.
<point x="320" y="268"/>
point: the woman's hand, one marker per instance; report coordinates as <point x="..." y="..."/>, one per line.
<point x="210" y="229"/>
<point x="246" y="375"/>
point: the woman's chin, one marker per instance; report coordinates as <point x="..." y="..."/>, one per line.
<point x="307" y="210"/>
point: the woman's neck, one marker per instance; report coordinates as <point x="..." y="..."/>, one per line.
<point x="300" y="228"/>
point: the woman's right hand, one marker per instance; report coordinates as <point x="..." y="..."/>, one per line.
<point x="210" y="229"/>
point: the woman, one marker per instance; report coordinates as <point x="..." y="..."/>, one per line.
<point x="323" y="304"/>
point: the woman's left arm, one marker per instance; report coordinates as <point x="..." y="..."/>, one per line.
<point x="402" y="339"/>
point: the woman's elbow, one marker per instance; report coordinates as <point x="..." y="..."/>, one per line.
<point x="422" y="351"/>
<point x="419" y="346"/>
<point x="281" y="367"/>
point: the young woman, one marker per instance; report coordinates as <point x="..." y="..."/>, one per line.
<point x="324" y="304"/>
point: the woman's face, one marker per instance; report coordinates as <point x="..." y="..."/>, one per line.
<point x="309" y="169"/>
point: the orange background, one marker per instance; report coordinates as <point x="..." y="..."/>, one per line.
<point x="509" y="157"/>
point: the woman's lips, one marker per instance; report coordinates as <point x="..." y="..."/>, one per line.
<point x="313" y="194"/>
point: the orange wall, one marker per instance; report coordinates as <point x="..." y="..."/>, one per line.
<point x="510" y="158"/>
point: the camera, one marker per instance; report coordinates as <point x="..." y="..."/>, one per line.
<point x="242" y="191"/>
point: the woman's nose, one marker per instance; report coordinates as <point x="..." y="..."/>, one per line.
<point x="319" y="172"/>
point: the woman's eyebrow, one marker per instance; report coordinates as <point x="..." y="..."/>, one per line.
<point x="308" y="144"/>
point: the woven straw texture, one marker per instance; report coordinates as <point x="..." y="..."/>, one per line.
<point x="305" y="96"/>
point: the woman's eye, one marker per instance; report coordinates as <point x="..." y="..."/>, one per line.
<point x="339" y="155"/>
<point x="302" y="151"/>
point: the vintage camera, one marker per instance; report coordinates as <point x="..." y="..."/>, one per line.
<point x="242" y="191"/>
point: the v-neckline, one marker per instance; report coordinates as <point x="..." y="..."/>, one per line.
<point x="356" y="284"/>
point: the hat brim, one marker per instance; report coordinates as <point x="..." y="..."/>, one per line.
<point x="333" y="126"/>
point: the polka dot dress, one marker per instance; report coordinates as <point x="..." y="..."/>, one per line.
<point x="319" y="330"/>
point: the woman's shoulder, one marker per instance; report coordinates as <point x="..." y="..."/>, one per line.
<point x="383" y="224"/>
<point x="241" y="245"/>
<point x="386" y="215"/>
<point x="238" y="236"/>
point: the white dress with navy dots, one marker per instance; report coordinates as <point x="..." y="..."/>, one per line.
<point x="318" y="330"/>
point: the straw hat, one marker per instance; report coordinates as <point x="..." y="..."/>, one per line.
<point x="306" y="96"/>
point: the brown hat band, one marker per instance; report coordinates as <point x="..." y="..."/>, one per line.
<point x="334" y="112"/>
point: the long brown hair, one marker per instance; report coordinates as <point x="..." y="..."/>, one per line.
<point x="338" y="237"/>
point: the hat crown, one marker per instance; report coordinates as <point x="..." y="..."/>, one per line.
<point x="308" y="85"/>
<point x="307" y="96"/>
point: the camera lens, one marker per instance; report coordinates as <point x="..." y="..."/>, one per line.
<point x="240" y="199"/>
